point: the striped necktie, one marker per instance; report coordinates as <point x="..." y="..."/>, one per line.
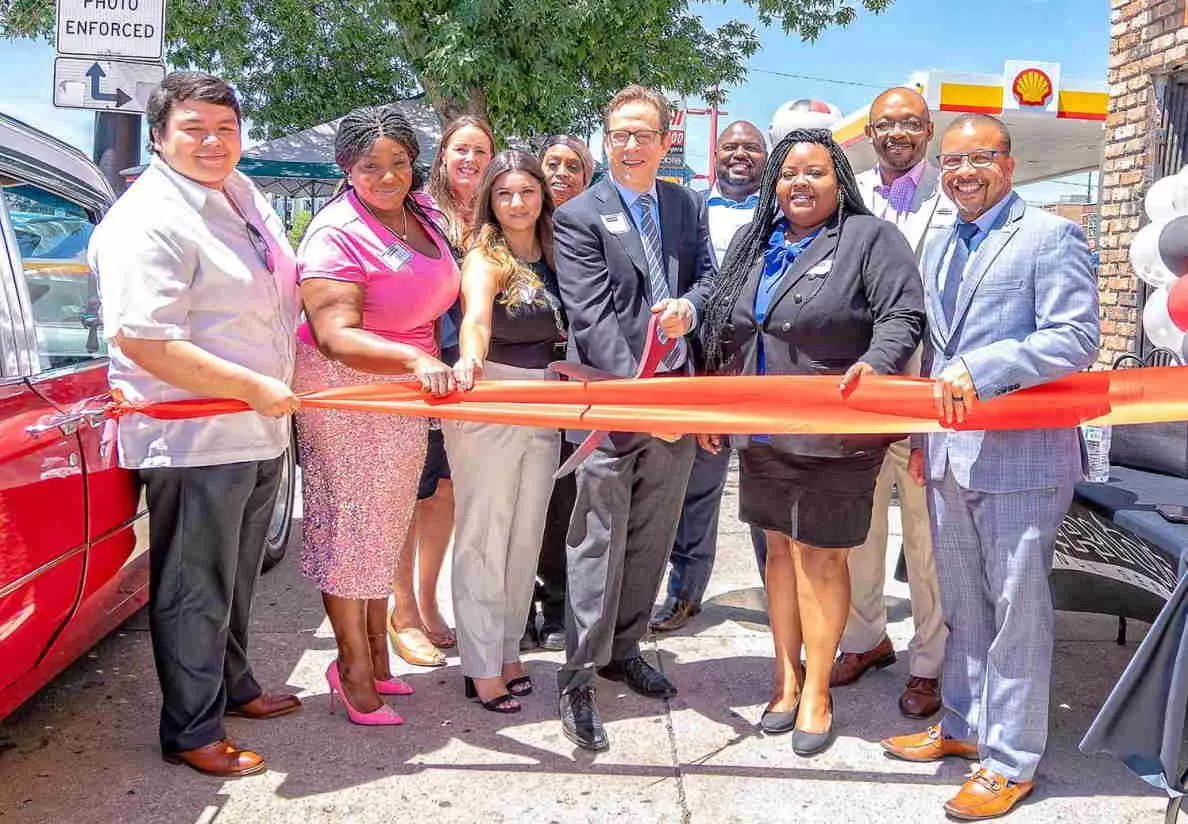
<point x="657" y="279"/>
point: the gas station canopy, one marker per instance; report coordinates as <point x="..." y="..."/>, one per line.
<point x="1055" y="131"/>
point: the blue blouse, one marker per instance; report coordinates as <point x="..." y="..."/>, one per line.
<point x="777" y="260"/>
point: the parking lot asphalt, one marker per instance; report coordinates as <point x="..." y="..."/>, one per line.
<point x="84" y="748"/>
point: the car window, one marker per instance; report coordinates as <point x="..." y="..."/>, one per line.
<point x="52" y="235"/>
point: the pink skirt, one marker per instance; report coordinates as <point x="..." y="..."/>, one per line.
<point x="359" y="473"/>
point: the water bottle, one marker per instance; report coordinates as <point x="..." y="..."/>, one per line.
<point x="1097" y="447"/>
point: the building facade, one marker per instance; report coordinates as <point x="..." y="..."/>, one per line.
<point x="1146" y="138"/>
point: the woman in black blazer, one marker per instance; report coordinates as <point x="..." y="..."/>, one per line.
<point x="815" y="285"/>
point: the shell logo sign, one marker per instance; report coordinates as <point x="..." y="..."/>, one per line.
<point x="1032" y="87"/>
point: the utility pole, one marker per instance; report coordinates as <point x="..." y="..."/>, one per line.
<point x="713" y="113"/>
<point x="117" y="145"/>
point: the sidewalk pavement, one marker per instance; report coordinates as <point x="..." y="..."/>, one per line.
<point x="85" y="749"/>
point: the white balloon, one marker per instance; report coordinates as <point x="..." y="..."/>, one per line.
<point x="1144" y="256"/>
<point x="1167" y="198"/>
<point x="1157" y="323"/>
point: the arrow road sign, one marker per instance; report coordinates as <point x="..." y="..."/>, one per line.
<point x="96" y="74"/>
<point x="106" y="85"/>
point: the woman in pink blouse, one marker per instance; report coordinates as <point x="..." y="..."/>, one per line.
<point x="376" y="273"/>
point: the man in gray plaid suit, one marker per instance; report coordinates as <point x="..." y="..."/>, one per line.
<point x="1012" y="303"/>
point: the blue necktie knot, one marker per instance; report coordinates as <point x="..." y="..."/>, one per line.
<point x="967" y="232"/>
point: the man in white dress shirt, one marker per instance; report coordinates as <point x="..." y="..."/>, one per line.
<point x="903" y="188"/>
<point x="740" y="159"/>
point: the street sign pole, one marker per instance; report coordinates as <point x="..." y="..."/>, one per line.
<point x="117" y="146"/>
<point x="110" y="60"/>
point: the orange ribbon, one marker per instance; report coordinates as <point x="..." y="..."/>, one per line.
<point x="768" y="404"/>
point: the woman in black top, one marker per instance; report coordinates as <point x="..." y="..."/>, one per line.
<point x="813" y="286"/>
<point x="503" y="475"/>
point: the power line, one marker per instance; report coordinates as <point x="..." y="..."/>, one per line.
<point x="822" y="79"/>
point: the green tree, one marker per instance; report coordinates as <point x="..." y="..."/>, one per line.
<point x="529" y="66"/>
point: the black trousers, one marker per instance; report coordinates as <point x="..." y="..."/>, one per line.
<point x="550" y="569"/>
<point x="207" y="528"/>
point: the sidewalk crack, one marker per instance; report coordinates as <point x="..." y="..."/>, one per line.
<point x="670" y="731"/>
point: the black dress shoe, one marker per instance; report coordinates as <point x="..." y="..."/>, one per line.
<point x="580" y="721"/>
<point x="640" y="676"/>
<point x="675" y="613"/>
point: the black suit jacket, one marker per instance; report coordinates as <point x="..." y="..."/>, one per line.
<point x="854" y="294"/>
<point x="603" y="274"/>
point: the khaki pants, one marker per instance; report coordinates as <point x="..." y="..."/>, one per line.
<point x="868" y="563"/>
<point x="503" y="477"/>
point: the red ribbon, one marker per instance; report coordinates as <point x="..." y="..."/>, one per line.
<point x="771" y="404"/>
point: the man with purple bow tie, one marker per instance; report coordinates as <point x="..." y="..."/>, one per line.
<point x="903" y="188"/>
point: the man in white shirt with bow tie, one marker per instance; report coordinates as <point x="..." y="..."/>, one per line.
<point x="740" y="159"/>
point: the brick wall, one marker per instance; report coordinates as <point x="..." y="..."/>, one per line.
<point x="1148" y="40"/>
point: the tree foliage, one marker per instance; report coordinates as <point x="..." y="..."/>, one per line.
<point x="530" y="66"/>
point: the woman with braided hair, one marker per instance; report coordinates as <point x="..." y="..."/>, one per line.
<point x="813" y="286"/>
<point x="376" y="273"/>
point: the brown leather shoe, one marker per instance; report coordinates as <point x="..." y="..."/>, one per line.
<point x="851" y="666"/>
<point x="987" y="795"/>
<point x="674" y="614"/>
<point x="929" y="745"/>
<point x="221" y="759"/>
<point x="921" y="697"/>
<point x="266" y="705"/>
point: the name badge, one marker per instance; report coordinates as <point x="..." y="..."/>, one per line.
<point x="616" y="224"/>
<point x="822" y="268"/>
<point x="396" y="255"/>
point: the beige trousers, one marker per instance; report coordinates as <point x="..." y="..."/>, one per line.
<point x="868" y="569"/>
<point x="503" y="477"/>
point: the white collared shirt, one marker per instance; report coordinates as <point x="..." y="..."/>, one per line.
<point x="175" y="261"/>
<point x="724" y="221"/>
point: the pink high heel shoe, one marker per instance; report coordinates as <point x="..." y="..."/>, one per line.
<point x="385" y="716"/>
<point x="393" y="686"/>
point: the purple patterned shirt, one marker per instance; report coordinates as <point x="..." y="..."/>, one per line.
<point x="902" y="191"/>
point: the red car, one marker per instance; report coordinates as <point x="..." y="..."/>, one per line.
<point x="73" y="525"/>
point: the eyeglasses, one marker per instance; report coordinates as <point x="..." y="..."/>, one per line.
<point x="260" y="247"/>
<point x="644" y="138"/>
<point x="911" y="125"/>
<point x="979" y="159"/>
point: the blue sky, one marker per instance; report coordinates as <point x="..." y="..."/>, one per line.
<point x="875" y="52"/>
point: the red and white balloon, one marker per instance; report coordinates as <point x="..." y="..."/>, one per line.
<point x="1159" y="256"/>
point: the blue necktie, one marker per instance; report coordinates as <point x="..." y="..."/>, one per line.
<point x="657" y="279"/>
<point x="952" y="287"/>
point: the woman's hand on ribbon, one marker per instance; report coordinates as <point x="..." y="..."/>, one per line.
<point x="850" y="379"/>
<point x="954" y="394"/>
<point x="467" y="370"/>
<point x="272" y="398"/>
<point x="710" y="443"/>
<point x="436" y="378"/>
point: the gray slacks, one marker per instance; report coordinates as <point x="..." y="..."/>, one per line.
<point x="993" y="557"/>
<point x="207" y="527"/>
<point x="503" y="479"/>
<point x="623" y="526"/>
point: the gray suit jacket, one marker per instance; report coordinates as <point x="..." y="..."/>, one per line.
<point x="1026" y="314"/>
<point x="602" y="273"/>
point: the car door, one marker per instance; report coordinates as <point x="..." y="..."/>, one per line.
<point x="72" y="376"/>
<point x="42" y="485"/>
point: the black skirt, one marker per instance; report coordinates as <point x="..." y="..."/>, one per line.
<point x="822" y="502"/>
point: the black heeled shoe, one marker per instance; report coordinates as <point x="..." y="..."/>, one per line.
<point x="497" y="704"/>
<point x="520" y="686"/>
<point x="812" y="743"/>
<point x="778" y="723"/>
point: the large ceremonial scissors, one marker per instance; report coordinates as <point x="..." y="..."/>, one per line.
<point x="656" y="348"/>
